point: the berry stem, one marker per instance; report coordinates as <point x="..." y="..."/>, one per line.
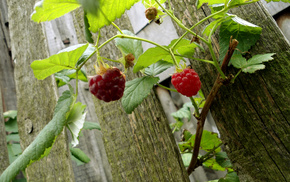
<point x="233" y="80"/>
<point x="189" y="30"/>
<point x="181" y="25"/>
<point x="170" y="89"/>
<point x="209" y="100"/>
<point x="116" y="61"/>
<point x="132" y="37"/>
<point x="216" y="64"/>
<point x="195" y="107"/>
<point x="169" y="5"/>
<point x="194" y="58"/>
<point x="77" y="82"/>
<point x="98" y="39"/>
<point x="173" y="58"/>
<point x="117" y="28"/>
<point x="208" y="155"/>
<point x="80" y="66"/>
<point x="200" y="124"/>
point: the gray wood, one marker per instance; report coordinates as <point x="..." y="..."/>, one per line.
<point x="6" y="65"/>
<point x="5" y="22"/>
<point x="35" y="99"/>
<point x="3" y="144"/>
<point x="252" y="115"/>
<point x="275" y="7"/>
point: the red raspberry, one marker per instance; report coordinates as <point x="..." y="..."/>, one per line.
<point x="186" y="82"/>
<point x="109" y="86"/>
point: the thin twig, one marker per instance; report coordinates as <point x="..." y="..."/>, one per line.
<point x="201" y="120"/>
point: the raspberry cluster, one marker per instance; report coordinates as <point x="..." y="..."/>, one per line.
<point x="109" y="86"/>
<point x="186" y="82"/>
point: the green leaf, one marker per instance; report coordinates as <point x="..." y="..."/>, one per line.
<point x="253" y="68"/>
<point x="158" y="68"/>
<point x="235" y="3"/>
<point x="183" y="146"/>
<point x="88" y="33"/>
<point x="20" y="180"/>
<point x="52" y="9"/>
<point x="184" y="112"/>
<point x="107" y="12"/>
<point x="246" y="33"/>
<point x="217" y="7"/>
<point x="238" y="61"/>
<point x="73" y="158"/>
<point x="136" y="91"/>
<point x="150" y="3"/>
<point x="230" y="177"/>
<point x="42" y="144"/>
<point x="65" y="76"/>
<point x="186" y="158"/>
<point x="260" y="58"/>
<point x="91" y="125"/>
<point x="177" y="125"/>
<point x="211" y="163"/>
<point x="11" y="155"/>
<point x="16" y="149"/>
<point x="188" y="50"/>
<point x="155" y="54"/>
<point x="91" y="49"/>
<point x="214" y="24"/>
<point x="80" y="155"/>
<point x="10" y="114"/>
<point x="13" y="137"/>
<point x="186" y="135"/>
<point x="184" y="47"/>
<point x="128" y="46"/>
<point x="286" y="1"/>
<point x="75" y="121"/>
<point x="209" y="2"/>
<point x="210" y="140"/>
<point x="199" y="101"/>
<point x="65" y="59"/>
<point x="223" y="160"/>
<point x="253" y="64"/>
<point x="231" y="3"/>
<point x="200" y="93"/>
<point x="11" y="125"/>
<point x="151" y="56"/>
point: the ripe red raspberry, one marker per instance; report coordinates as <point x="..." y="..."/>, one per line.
<point x="186" y="82"/>
<point x="109" y="86"/>
<point x="151" y="13"/>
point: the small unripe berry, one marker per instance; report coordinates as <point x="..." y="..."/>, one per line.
<point x="151" y="13"/>
<point x="129" y="58"/>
